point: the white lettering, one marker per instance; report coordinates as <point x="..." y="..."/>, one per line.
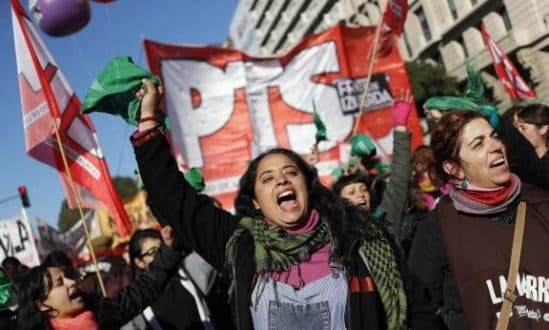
<point x="216" y="88"/>
<point x="313" y="61"/>
<point x="495" y="299"/>
<point x="543" y="289"/>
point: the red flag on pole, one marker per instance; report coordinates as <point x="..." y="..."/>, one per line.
<point x="395" y="15"/>
<point x="506" y="71"/>
<point x="47" y="98"/>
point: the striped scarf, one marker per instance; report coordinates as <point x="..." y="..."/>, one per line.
<point x="384" y="269"/>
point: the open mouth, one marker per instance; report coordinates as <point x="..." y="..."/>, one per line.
<point x="497" y="163"/>
<point x="75" y="295"/>
<point x="287" y="200"/>
<point x="362" y="204"/>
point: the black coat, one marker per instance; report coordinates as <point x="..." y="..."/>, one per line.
<point x="202" y="227"/>
<point x="112" y="313"/>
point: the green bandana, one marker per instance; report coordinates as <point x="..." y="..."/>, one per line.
<point x="195" y="178"/>
<point x="275" y="249"/>
<point x="113" y="91"/>
<point x="5" y="289"/>
<point x="445" y="103"/>
<point x="362" y="146"/>
<point x="320" y="134"/>
<point x="387" y="279"/>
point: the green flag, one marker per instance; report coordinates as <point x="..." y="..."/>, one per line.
<point x="362" y="146"/>
<point x="320" y="127"/>
<point x="195" y="178"/>
<point x="474" y="90"/>
<point x="113" y="91"/>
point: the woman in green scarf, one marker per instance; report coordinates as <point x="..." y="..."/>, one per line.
<point x="295" y="256"/>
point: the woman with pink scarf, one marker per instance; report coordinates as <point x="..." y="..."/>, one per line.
<point x="462" y="250"/>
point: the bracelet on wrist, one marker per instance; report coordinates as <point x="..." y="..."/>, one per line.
<point x="149" y="118"/>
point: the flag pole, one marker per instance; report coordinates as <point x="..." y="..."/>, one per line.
<point x="79" y="204"/>
<point x="369" y="77"/>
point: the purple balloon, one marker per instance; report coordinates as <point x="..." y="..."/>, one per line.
<point x="60" y="17"/>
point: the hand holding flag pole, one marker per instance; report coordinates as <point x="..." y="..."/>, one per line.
<point x="55" y="124"/>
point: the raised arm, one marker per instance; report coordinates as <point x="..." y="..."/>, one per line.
<point x="397" y="191"/>
<point x="197" y="223"/>
<point x="145" y="288"/>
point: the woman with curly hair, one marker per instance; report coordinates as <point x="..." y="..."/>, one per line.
<point x="295" y="255"/>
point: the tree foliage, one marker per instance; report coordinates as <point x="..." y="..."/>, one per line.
<point x="125" y="186"/>
<point x="428" y="80"/>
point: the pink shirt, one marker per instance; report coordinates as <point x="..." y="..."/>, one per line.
<point x="317" y="266"/>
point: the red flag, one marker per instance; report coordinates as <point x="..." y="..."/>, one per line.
<point x="395" y="15"/>
<point x="506" y="71"/>
<point x="47" y="98"/>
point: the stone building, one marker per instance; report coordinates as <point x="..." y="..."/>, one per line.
<point x="443" y="31"/>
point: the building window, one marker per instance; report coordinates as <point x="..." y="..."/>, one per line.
<point x="424" y="24"/>
<point x="506" y="20"/>
<point x="407" y="43"/>
<point x="438" y="59"/>
<point x="453" y="9"/>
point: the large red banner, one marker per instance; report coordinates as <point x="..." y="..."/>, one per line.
<point x="226" y="106"/>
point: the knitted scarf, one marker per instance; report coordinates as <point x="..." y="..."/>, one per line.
<point x="277" y="250"/>
<point x="478" y="200"/>
<point x="384" y="269"/>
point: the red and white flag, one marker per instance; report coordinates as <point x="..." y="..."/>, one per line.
<point x="392" y="25"/>
<point x="47" y="98"/>
<point x="506" y="71"/>
<point x="395" y="15"/>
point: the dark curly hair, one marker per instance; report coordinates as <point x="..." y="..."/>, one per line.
<point x="341" y="217"/>
<point x="346" y="180"/>
<point x="134" y="246"/>
<point x="35" y="286"/>
<point x="446" y="138"/>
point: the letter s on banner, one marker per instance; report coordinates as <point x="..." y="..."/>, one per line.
<point x="226" y="106"/>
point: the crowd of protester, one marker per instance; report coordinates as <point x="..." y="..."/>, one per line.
<point x="423" y="247"/>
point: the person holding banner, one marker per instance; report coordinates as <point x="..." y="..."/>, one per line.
<point x="463" y="249"/>
<point x="48" y="299"/>
<point x="295" y="255"/>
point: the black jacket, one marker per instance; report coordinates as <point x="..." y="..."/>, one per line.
<point x="202" y="227"/>
<point x="112" y="313"/>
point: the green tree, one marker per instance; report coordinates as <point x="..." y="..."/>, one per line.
<point x="125" y="186"/>
<point x="429" y="80"/>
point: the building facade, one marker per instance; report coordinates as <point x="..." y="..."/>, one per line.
<point x="442" y="31"/>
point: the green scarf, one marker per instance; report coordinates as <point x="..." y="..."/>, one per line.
<point x="275" y="249"/>
<point x="384" y="269"/>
